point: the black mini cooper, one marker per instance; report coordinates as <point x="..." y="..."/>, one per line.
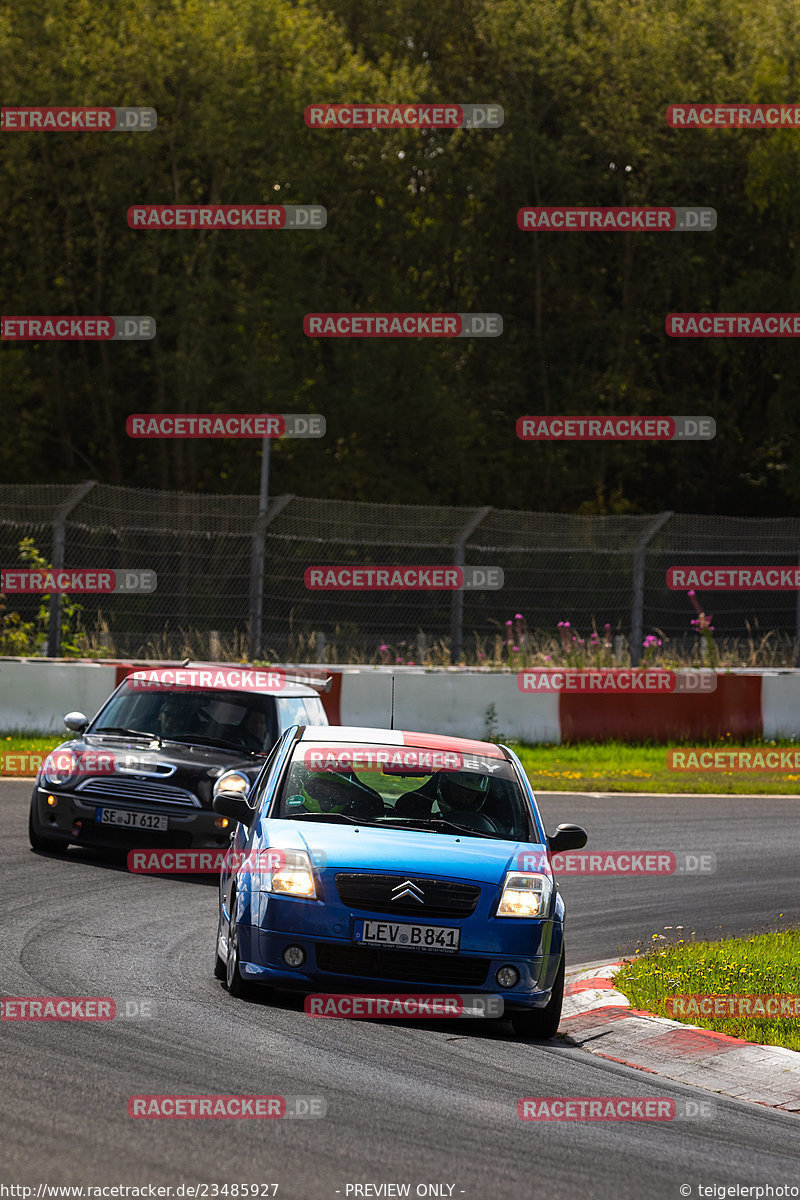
<point x="145" y="770"/>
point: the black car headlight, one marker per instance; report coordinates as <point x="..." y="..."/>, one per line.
<point x="232" y="781"/>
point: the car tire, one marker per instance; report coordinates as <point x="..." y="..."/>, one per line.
<point x="541" y="1024"/>
<point x="39" y="840"/>
<point x="236" y="985"/>
<point x="220" y="970"/>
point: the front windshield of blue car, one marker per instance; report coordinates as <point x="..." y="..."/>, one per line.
<point x="405" y="787"/>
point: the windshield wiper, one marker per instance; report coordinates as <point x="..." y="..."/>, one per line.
<point x="202" y="739"/>
<point x="127" y="732"/>
<point x="331" y="816"/>
<point x="435" y="824"/>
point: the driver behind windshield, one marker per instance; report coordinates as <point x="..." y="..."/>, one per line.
<point x="173" y="718"/>
<point x="253" y="729"/>
<point x="461" y="791"/>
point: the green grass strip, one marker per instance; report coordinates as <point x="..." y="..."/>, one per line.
<point x="627" y="767"/>
<point x="765" y="964"/>
<point x="583" y="767"/>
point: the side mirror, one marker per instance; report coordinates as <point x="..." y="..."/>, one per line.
<point x="76" y="721"/>
<point x="231" y="804"/>
<point x="567" y="837"/>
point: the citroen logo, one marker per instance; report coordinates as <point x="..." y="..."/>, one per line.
<point x="408" y="889"/>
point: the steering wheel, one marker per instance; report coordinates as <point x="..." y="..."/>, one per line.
<point x="469" y="819"/>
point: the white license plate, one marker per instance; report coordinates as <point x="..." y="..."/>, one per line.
<point x="443" y="938"/>
<point x="131" y="820"/>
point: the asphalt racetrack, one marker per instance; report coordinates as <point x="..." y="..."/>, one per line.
<point x="431" y="1106"/>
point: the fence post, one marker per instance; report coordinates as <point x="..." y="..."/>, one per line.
<point x="257" y="567"/>
<point x="57" y="559"/>
<point x="637" y="608"/>
<point x="457" y="597"/>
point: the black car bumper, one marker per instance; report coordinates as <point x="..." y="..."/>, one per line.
<point x="74" y="818"/>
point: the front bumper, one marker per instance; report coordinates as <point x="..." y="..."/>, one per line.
<point x="268" y="924"/>
<point x="74" y="819"/>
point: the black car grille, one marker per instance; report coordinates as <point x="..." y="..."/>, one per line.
<point x="138" y="789"/>
<point x="444" y="970"/>
<point x="441" y="897"/>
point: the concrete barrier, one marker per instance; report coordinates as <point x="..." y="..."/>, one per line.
<point x="780" y="703"/>
<point x="36" y="693"/>
<point x="450" y="703"/>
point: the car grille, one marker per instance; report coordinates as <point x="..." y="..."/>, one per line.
<point x="447" y="970"/>
<point x="442" y="897"/>
<point x="138" y="789"/>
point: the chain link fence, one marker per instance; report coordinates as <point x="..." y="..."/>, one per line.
<point x="208" y="550"/>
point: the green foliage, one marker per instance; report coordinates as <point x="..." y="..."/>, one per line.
<point x="19" y="637"/>
<point x="417" y="221"/>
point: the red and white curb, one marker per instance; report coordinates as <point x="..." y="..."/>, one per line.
<point x="600" y="1020"/>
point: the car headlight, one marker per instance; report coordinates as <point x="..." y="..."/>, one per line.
<point x="294" y="877"/>
<point x="232" y="781"/>
<point x="59" y="766"/>
<point x="525" y="894"/>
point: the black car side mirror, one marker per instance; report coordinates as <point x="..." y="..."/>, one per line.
<point x="231" y="804"/>
<point x="567" y="837"/>
<point x="76" y="721"/>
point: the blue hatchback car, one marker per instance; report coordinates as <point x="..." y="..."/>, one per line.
<point x="383" y="861"/>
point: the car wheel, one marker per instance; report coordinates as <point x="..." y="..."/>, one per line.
<point x="236" y="985"/>
<point x="539" y="1024"/>
<point x="40" y="841"/>
<point x="220" y="969"/>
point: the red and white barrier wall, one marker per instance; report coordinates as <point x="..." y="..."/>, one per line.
<point x="36" y="693"/>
